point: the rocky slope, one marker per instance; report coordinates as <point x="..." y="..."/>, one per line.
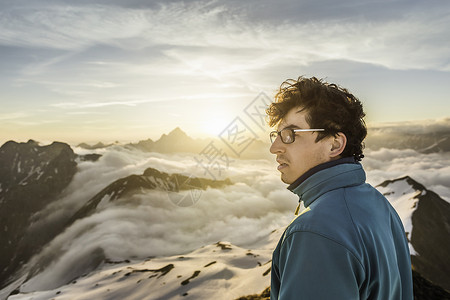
<point x="149" y="180"/>
<point x="31" y="177"/>
<point x="426" y="217"/>
<point x="426" y="290"/>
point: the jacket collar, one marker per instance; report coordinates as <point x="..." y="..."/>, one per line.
<point x="328" y="176"/>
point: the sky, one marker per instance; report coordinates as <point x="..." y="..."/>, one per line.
<point x="97" y="70"/>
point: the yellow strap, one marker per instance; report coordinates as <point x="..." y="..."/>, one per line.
<point x="298" y="215"/>
<point x="304" y="211"/>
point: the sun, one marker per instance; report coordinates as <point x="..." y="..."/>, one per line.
<point x="215" y="123"/>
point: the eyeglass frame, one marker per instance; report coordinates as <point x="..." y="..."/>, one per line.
<point x="293" y="133"/>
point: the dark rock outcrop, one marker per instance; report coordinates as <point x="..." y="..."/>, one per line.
<point x="431" y="239"/>
<point x="99" y="145"/>
<point x="31" y="177"/>
<point x="430" y="236"/>
<point x="423" y="290"/>
<point x="426" y="290"/>
<point x="150" y="179"/>
<point x="265" y="295"/>
<point x="90" y="157"/>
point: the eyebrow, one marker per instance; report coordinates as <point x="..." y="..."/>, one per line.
<point x="292" y="126"/>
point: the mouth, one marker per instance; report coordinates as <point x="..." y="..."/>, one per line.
<point x="281" y="165"/>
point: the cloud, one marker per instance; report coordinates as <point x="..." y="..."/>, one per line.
<point x="149" y="224"/>
<point x="67" y="27"/>
<point x="432" y="170"/>
<point x="413" y="127"/>
<point x="110" y="56"/>
<point x="13" y="116"/>
<point x="86" y="113"/>
<point x="97" y="104"/>
<point x="365" y="37"/>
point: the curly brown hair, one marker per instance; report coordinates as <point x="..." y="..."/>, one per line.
<point x="328" y="106"/>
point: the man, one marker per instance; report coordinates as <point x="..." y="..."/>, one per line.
<point x="348" y="242"/>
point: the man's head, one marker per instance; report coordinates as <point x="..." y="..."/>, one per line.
<point x="310" y="103"/>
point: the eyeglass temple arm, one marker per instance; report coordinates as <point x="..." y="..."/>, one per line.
<point x="299" y="130"/>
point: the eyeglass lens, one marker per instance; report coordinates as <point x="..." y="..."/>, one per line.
<point x="287" y="136"/>
<point x="273" y="136"/>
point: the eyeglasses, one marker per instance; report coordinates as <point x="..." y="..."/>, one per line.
<point x="288" y="134"/>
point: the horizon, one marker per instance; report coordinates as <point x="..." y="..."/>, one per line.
<point x="417" y="127"/>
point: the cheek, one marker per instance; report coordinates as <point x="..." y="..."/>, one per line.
<point x="321" y="152"/>
<point x="315" y="154"/>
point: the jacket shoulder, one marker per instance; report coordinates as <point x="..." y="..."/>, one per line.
<point x="329" y="217"/>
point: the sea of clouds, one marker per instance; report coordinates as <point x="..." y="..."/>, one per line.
<point x="431" y="170"/>
<point x="149" y="224"/>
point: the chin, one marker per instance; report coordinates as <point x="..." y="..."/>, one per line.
<point x="285" y="180"/>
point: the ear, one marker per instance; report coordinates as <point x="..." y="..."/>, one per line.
<point x="338" y="144"/>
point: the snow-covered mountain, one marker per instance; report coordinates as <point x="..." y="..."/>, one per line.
<point x="426" y="218"/>
<point x="217" y="271"/>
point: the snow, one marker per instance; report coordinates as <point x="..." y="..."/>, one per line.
<point x="404" y="199"/>
<point x="217" y="271"/>
<point x="11" y="287"/>
<point x="39" y="172"/>
<point x="104" y="202"/>
<point x="34" y="170"/>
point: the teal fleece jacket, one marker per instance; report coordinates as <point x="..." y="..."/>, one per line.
<point x="348" y="242"/>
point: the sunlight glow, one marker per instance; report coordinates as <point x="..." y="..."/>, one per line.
<point x="215" y="122"/>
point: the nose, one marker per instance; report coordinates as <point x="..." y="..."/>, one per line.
<point x="277" y="146"/>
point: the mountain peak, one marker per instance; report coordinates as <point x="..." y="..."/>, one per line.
<point x="177" y="132"/>
<point x="406" y="179"/>
<point x="32" y="142"/>
<point x="99" y="145"/>
<point x="426" y="218"/>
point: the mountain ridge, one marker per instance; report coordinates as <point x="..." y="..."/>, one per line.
<point x="150" y="179"/>
<point x="429" y="224"/>
<point x="377" y="138"/>
<point x="31" y="177"/>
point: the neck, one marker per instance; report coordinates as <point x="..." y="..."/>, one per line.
<point x="323" y="166"/>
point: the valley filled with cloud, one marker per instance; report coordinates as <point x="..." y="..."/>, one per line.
<point x="147" y="223"/>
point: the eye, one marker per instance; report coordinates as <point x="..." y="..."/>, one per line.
<point x="286" y="135"/>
